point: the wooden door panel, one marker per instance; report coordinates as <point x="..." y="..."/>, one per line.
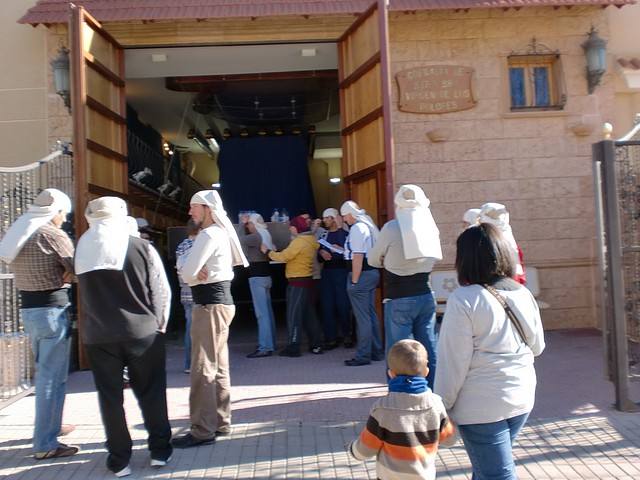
<point x="365" y="148"/>
<point x="363" y="95"/>
<point x="365" y="111"/>
<point x="98" y="108"/>
<point x="99" y="112"/>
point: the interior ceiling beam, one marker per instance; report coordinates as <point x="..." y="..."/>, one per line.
<point x="209" y="83"/>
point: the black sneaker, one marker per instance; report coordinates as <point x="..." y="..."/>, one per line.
<point x="354" y="362"/>
<point x="260" y="354"/>
<point x="289" y="353"/>
<point x="316" y="350"/>
<point x="188" y="441"/>
<point x="330" y="345"/>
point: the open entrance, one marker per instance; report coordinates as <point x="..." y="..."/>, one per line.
<point x="187" y="109"/>
<point x="260" y="122"/>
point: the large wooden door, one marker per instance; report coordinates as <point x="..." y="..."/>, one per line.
<point x="367" y="144"/>
<point x="98" y="106"/>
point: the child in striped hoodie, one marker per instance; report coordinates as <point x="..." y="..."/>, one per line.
<point x="405" y="427"/>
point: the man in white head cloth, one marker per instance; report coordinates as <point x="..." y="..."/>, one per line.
<point x="496" y="214"/>
<point x="126" y="300"/>
<point x="208" y="270"/>
<point x="471" y="218"/>
<point x="334" y="301"/>
<point x="40" y="255"/>
<point x="407" y="248"/>
<point x="254" y="233"/>
<point x="361" y="283"/>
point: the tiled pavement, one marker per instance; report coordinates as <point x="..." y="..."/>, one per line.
<point x="293" y="417"/>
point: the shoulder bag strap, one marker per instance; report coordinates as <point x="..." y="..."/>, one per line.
<point x="510" y="313"/>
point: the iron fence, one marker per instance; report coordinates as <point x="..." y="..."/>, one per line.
<point x="19" y="186"/>
<point x="617" y="175"/>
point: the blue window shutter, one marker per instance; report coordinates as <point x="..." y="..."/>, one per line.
<point x="516" y="82"/>
<point x="541" y="82"/>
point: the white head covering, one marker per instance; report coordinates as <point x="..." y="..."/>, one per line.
<point x="472" y="216"/>
<point x="360" y="215"/>
<point x="211" y="198"/>
<point x="257" y="221"/>
<point x="104" y="245"/>
<point x="133" y="226"/>
<point x="330" y="212"/>
<point x="496" y="214"/>
<point x="46" y="206"/>
<point x="420" y="235"/>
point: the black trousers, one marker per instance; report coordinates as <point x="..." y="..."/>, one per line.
<point x="146" y="361"/>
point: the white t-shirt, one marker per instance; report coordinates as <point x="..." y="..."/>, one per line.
<point x="359" y="240"/>
<point x="211" y="249"/>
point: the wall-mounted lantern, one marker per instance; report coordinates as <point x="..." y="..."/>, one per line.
<point x="595" y="49"/>
<point x="61" y="76"/>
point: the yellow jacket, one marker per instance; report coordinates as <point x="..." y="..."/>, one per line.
<point x="298" y="256"/>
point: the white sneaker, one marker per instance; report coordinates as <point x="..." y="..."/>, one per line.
<point x="126" y="471"/>
<point x="156" y="462"/>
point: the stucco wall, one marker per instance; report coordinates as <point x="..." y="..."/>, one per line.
<point x="624" y="42"/>
<point x="539" y="165"/>
<point x="22" y="88"/>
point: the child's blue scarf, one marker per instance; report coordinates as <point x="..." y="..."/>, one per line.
<point x="407" y="384"/>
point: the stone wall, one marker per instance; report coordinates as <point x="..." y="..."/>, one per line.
<point x="538" y="164"/>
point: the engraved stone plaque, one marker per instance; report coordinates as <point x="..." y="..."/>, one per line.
<point x="435" y="89"/>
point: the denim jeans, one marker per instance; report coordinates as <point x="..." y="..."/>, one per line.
<point x="414" y="318"/>
<point x="334" y="302"/>
<point x="489" y="447"/>
<point x="188" y="308"/>
<point x="49" y="329"/>
<point x="363" y="302"/>
<point x="260" y="288"/>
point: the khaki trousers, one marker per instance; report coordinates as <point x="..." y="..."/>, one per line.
<point x="210" y="396"/>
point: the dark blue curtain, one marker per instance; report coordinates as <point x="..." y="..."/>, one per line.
<point x="264" y="173"/>
<point x="516" y="81"/>
<point x="541" y="79"/>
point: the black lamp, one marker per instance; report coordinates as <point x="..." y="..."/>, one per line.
<point x="595" y="48"/>
<point x="61" y="76"/>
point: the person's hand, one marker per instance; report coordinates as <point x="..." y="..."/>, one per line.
<point x="316" y="223"/>
<point x="244" y="218"/>
<point x="68" y="277"/>
<point x="325" y="254"/>
<point x="263" y="248"/>
<point x="203" y="274"/>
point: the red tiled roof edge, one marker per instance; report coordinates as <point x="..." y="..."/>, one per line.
<point x="56" y="11"/>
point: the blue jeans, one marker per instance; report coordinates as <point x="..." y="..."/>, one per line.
<point x="414" y="318"/>
<point x="489" y="447"/>
<point x="48" y="328"/>
<point x="188" y="308"/>
<point x="334" y="302"/>
<point x="363" y="302"/>
<point x="260" y="288"/>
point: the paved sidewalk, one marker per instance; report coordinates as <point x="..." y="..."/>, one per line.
<point x="293" y="417"/>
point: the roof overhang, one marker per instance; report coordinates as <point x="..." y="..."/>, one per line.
<point x="57" y="11"/>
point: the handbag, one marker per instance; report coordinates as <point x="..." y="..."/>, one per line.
<point x="510" y="313"/>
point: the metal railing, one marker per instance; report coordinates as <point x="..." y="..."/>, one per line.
<point x="19" y="186"/>
<point x="617" y="174"/>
